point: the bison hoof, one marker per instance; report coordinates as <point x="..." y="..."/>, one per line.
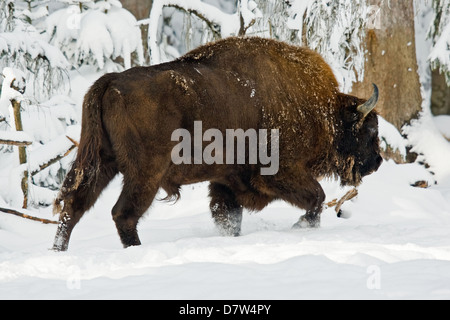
<point x="229" y="232"/>
<point x="229" y="224"/>
<point x="305" y="222"/>
<point x="61" y="242"/>
<point x="230" y="228"/>
<point x="58" y="248"/>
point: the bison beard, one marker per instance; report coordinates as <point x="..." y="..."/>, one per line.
<point x="236" y="83"/>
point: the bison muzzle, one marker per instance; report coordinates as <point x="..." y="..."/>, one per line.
<point x="236" y="83"/>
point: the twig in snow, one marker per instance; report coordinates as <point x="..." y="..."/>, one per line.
<point x="338" y="203"/>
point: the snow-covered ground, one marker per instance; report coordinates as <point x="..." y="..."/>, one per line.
<point x="395" y="244"/>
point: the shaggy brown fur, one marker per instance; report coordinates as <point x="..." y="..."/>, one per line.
<point x="128" y="119"/>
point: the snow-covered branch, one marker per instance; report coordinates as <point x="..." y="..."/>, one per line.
<point x="13" y="85"/>
<point x="25" y="48"/>
<point x="52" y="152"/>
<point x="222" y="24"/>
<point x="97" y="36"/>
<point x="440" y="53"/>
<point x="439" y="32"/>
<point x="38" y="156"/>
<point x="337" y="31"/>
<point x="15" y="138"/>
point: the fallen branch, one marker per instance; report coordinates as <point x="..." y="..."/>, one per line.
<point x="16" y="143"/>
<point x="420" y="184"/>
<point x="15" y="138"/>
<point x="338" y="203"/>
<point x="26" y="216"/>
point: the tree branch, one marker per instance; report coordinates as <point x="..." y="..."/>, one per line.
<point x="16" y="143"/>
<point x="57" y="158"/>
<point x="76" y="143"/>
<point x="209" y="23"/>
<point x="26" y="216"/>
<point x="338" y="203"/>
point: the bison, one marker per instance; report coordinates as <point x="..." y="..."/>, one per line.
<point x="129" y="118"/>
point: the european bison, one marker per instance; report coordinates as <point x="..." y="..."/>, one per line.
<point x="237" y="83"/>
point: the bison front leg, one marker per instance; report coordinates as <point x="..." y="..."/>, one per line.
<point x="303" y="192"/>
<point x="311" y="219"/>
<point x="312" y="198"/>
<point x="225" y="210"/>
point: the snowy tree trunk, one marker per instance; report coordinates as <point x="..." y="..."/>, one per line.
<point x="391" y="62"/>
<point x="141" y="10"/>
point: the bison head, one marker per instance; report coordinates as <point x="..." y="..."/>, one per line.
<point x="358" y="146"/>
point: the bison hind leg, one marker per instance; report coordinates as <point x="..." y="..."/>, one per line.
<point x="225" y="210"/>
<point x="79" y="193"/>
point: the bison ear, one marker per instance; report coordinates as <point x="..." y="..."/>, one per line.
<point x="368" y="106"/>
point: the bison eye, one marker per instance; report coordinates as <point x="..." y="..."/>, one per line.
<point x="352" y="117"/>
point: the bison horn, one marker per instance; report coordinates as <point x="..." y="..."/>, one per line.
<point x="366" y="107"/>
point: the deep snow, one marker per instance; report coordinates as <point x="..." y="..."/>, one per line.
<point x="394" y="245"/>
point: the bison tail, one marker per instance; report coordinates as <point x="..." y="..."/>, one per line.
<point x="86" y="168"/>
<point x="88" y="156"/>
